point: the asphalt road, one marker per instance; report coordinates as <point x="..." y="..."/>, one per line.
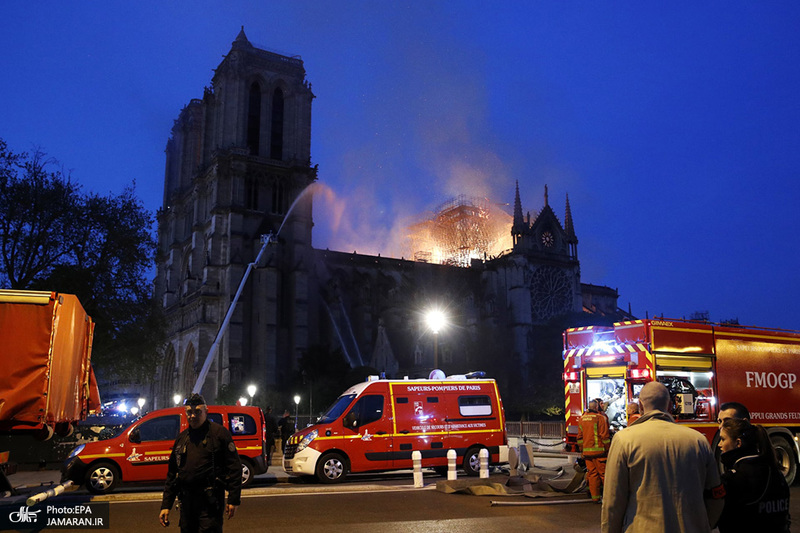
<point x="362" y="507"/>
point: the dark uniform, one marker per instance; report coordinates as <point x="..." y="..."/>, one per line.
<point x="203" y="464"/>
<point x="756" y="494"/>
<point x="272" y="433"/>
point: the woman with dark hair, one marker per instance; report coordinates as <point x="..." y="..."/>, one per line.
<point x="756" y="493"/>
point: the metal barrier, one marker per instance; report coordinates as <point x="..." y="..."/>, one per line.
<point x="534" y="429"/>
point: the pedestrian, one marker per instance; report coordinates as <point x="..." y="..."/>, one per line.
<point x="632" y="410"/>
<point x="732" y="410"/>
<point x="271" y="426"/>
<point x="594" y="438"/>
<point x="286" y="425"/>
<point x="202" y="465"/>
<point x="660" y="476"/>
<point x="756" y="493"/>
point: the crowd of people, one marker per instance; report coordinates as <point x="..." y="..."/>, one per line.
<point x="657" y="475"/>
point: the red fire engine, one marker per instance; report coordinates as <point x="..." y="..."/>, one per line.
<point x="703" y="366"/>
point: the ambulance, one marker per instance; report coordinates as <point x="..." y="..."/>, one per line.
<point x="376" y="425"/>
<point x="140" y="452"/>
<point x="703" y="365"/>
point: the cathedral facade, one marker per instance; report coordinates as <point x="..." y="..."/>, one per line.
<point x="238" y="198"/>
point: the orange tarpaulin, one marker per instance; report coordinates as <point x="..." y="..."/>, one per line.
<point x="45" y="353"/>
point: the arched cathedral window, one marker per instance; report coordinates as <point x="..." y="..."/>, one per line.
<point x="254" y="119"/>
<point x="276" y="138"/>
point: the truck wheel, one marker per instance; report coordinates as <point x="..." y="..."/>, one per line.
<point x="247" y="473"/>
<point x="472" y="461"/>
<point x="102" y="478"/>
<point x="64" y="430"/>
<point x="786" y="459"/>
<point x="44" y="433"/>
<point x="331" y="468"/>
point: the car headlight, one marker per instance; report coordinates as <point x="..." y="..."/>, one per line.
<point x="307" y="440"/>
<point x="78" y="449"/>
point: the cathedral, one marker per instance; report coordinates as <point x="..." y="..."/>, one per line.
<point x="238" y="199"/>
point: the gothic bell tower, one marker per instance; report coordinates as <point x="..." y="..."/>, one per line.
<point x="237" y="161"/>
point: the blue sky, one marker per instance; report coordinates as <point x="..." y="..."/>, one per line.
<point x="673" y="126"/>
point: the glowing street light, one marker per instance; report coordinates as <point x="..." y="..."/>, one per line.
<point x="176" y="399"/>
<point x="251" y="390"/>
<point x="296" y="408"/>
<point x="436" y="320"/>
<point x="134" y="410"/>
<point x="242" y="401"/>
<point x="140" y="402"/>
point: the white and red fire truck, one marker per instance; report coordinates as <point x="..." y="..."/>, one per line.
<point x="377" y="425"/>
<point x="703" y="365"/>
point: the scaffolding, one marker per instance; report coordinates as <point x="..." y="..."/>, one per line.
<point x="460" y="230"/>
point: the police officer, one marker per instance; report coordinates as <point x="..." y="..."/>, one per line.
<point x="594" y="439"/>
<point x="203" y="463"/>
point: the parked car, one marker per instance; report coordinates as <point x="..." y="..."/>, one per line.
<point x="140" y="453"/>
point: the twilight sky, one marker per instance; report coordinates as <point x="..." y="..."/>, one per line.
<point x="673" y="126"/>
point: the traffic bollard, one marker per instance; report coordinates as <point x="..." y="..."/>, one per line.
<point x="484" y="456"/>
<point x="513" y="462"/>
<point x="416" y="457"/>
<point x="451" y="465"/>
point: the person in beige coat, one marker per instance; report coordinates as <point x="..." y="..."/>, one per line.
<point x="660" y="476"/>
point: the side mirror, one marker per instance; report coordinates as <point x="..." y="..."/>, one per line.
<point x="135" y="437"/>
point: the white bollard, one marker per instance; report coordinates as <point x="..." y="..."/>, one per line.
<point x="484" y="457"/>
<point x="513" y="462"/>
<point x="42" y="496"/>
<point x="451" y="465"/>
<point x="416" y="457"/>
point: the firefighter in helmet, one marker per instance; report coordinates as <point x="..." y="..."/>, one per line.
<point x="594" y="438"/>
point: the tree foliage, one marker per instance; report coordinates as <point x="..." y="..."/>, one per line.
<point x="56" y="237"/>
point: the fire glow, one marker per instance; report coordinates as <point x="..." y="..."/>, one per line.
<point x="461" y="230"/>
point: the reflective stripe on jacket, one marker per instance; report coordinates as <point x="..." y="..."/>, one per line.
<point x="594" y="437"/>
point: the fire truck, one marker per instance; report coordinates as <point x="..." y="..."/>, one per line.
<point x="703" y="365"/>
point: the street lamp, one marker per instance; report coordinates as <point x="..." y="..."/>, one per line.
<point x="251" y="390"/>
<point x="436" y="321"/>
<point x="296" y="407"/>
<point x="141" y="402"/>
<point x="176" y="399"/>
<point x="134" y="410"/>
<point x="242" y="401"/>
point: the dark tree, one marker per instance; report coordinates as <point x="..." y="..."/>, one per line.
<point x="55" y="237"/>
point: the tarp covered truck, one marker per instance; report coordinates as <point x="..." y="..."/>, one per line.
<point x="46" y="383"/>
<point x="703" y="365"/>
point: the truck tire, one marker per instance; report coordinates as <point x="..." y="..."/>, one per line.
<point x="44" y="433"/>
<point x="102" y="478"/>
<point x="787" y="461"/>
<point x="331" y="468"/>
<point x="472" y="461"/>
<point x="247" y="473"/>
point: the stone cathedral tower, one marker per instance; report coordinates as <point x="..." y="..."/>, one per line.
<point x="237" y="161"/>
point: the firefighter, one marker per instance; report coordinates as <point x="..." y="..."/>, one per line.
<point x="203" y="464"/>
<point x="594" y="439"/>
<point x="632" y="410"/>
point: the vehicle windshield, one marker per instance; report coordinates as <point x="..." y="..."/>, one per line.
<point x="336" y="410"/>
